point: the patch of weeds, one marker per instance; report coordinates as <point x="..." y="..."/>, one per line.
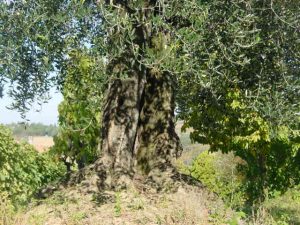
<point x="158" y="220"/>
<point x="260" y="216"/>
<point x="179" y="216"/>
<point x="117" y="206"/>
<point x="217" y="215"/>
<point x="37" y="219"/>
<point x="285" y="208"/>
<point x="57" y="199"/>
<point x="57" y="213"/>
<point x="77" y="217"/>
<point x="7" y="210"/>
<point x="164" y="202"/>
<point x="142" y="221"/>
<point x="236" y="218"/>
<point x="216" y="219"/>
<point x="137" y="204"/>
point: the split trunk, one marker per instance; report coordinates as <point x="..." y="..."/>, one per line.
<point x="138" y="130"/>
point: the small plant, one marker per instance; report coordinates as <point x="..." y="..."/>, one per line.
<point x="117" y="207"/>
<point x="78" y="216"/>
<point x="137" y="204"/>
<point x="38" y="219"/>
<point x="236" y="218"/>
<point x="7" y="211"/>
<point x="158" y="220"/>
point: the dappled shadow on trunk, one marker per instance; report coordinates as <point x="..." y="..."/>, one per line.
<point x="139" y="135"/>
<point x="157" y="143"/>
<point x="139" y="141"/>
<point x="120" y="121"/>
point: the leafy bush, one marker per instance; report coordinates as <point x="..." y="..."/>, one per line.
<point x="22" y="169"/>
<point x="80" y="112"/>
<point x="219" y="173"/>
<point x="9" y="215"/>
<point x="271" y="154"/>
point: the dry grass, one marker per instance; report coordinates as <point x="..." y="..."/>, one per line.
<point x="189" y="205"/>
<point x="40" y="143"/>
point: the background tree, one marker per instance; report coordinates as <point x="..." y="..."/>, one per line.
<point x="250" y="103"/>
<point x="32" y="129"/>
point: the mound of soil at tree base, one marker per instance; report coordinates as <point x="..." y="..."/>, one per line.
<point x="81" y="202"/>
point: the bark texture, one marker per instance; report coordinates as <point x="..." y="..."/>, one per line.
<point x="138" y="129"/>
<point x="138" y="120"/>
<point x="120" y="121"/>
<point x="157" y="142"/>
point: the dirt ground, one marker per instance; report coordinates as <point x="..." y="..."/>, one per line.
<point x="187" y="206"/>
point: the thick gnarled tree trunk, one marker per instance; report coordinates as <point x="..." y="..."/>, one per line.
<point x="138" y="119"/>
<point x="138" y="129"/>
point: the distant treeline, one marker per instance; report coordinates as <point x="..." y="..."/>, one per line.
<point x="32" y="129"/>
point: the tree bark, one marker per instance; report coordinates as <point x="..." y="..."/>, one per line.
<point x="120" y="121"/>
<point x="138" y="130"/>
<point x="157" y="143"/>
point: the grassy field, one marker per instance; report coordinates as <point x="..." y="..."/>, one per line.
<point x="40" y="143"/>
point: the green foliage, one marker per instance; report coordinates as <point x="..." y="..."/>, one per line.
<point x="7" y="210"/>
<point x="23" y="170"/>
<point x="219" y="174"/>
<point x="235" y="67"/>
<point x="285" y="209"/>
<point x="80" y="112"/>
<point x="271" y="154"/>
<point x="35" y="39"/>
<point x="251" y="46"/>
<point x="118" y="208"/>
<point x="245" y="97"/>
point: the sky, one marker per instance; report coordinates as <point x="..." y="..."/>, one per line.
<point x="48" y="114"/>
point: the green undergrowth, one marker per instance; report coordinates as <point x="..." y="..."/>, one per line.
<point x="23" y="170"/>
<point x="219" y="173"/>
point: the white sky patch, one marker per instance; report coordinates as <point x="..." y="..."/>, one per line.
<point x="47" y="114"/>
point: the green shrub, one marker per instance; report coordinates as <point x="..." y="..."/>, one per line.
<point x="285" y="208"/>
<point x="79" y="134"/>
<point x="271" y="152"/>
<point x="9" y="215"/>
<point x="23" y="170"/>
<point x="219" y="174"/>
